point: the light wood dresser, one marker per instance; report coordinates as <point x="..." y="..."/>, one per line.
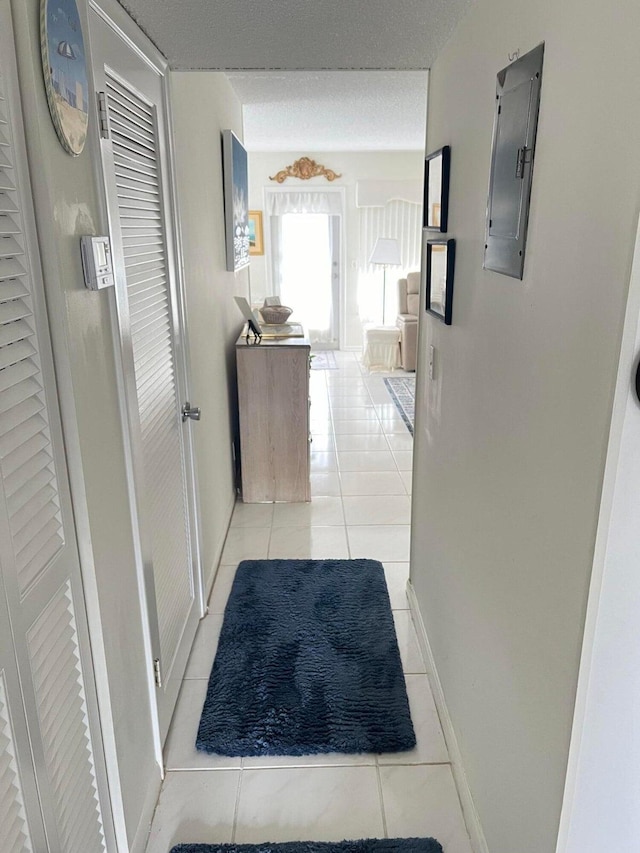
<point x="273" y="398"/>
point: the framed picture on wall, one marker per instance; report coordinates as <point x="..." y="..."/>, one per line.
<point x="256" y="235"/>
<point x="236" y="201"/>
<point x="439" y="261"/>
<point x="437" y="167"/>
<point x="65" y="72"/>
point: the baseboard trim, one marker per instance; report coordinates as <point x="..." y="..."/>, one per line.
<point x="215" y="565"/>
<point x="472" y="820"/>
<point x="141" y="837"/>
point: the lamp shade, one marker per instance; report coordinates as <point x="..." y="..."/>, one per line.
<point x="386" y="251"/>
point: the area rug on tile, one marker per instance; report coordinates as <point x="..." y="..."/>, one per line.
<point x="368" y="845"/>
<point x="323" y="360"/>
<point x="307" y="663"/>
<point x="403" y="394"/>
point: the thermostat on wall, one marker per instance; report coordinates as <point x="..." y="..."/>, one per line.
<point x="96" y="262"/>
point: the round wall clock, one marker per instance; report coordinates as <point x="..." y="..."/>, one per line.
<point x="65" y="72"/>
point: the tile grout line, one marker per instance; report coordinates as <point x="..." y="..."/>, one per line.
<point x="381" y="797"/>
<point x="237" y="805"/>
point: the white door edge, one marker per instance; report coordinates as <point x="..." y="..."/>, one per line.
<point x="598" y="607"/>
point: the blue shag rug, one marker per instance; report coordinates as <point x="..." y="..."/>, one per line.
<point x="368" y="845"/>
<point x="307" y="663"/>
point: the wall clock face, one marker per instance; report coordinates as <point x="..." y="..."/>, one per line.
<point x="65" y="71"/>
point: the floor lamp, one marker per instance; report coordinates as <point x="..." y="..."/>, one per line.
<point x="387" y="253"/>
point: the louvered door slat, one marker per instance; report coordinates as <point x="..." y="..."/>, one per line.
<point x="37" y="523"/>
<point x="9" y="247"/>
<point x="14" y="309"/>
<point x="27" y="403"/>
<point x="146" y="337"/>
<point x="148" y="320"/>
<point x="151" y="288"/>
<point x="41" y="499"/>
<point x="60" y="695"/>
<point x="15" y="352"/>
<point x="14" y="830"/>
<point x="130" y="192"/>
<point x="6" y="182"/>
<point x="137" y="183"/>
<point x="11" y="376"/>
<point x="19" y="393"/>
<point x="11" y="268"/>
<point x="26" y="456"/>
<point x="148" y="364"/>
<point x="30" y="469"/>
<point x="129" y="177"/>
<point x="14" y="332"/>
<point x="12" y="288"/>
<point x="17" y="447"/>
<point x="29" y="490"/>
<point x="8" y="225"/>
<point x="124" y="134"/>
<point x="135" y="116"/>
<point x="140" y="281"/>
<point x="41" y="540"/>
<point x="142" y="166"/>
<point x="121" y="93"/>
<point x="6" y="204"/>
<point x="139" y="113"/>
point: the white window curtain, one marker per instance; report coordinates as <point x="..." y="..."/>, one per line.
<point x="403" y="221"/>
<point x="279" y="203"/>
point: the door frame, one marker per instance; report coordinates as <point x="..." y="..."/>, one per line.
<point x="114" y="16"/>
<point x="342" y="301"/>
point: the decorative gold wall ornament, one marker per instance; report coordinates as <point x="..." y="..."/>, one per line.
<point x="304" y="168"/>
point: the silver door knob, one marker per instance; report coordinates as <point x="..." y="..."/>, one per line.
<point x="189" y="411"/>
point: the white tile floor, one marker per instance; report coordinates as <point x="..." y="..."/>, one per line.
<point x="361" y="482"/>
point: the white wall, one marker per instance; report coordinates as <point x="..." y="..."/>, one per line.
<point x="512" y="432"/>
<point x="204" y="104"/>
<point x="353" y="167"/>
<point x="67" y="206"/>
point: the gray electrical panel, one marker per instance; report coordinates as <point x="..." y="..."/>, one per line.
<point x="514" y="139"/>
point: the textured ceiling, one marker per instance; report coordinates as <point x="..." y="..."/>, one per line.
<point x="297" y="34"/>
<point x="332" y="110"/>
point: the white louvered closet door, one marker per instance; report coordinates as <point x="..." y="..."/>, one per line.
<point x="136" y="179"/>
<point x="53" y="790"/>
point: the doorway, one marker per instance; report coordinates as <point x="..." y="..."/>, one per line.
<point x="305" y="232"/>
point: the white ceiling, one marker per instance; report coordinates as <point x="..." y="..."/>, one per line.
<point x="332" y="110"/>
<point x="311" y="34"/>
<point x="384" y="44"/>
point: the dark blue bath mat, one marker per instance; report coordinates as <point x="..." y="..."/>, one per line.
<point x="369" y="845"/>
<point x="307" y="663"/>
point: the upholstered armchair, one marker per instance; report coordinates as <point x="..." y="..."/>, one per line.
<point x="407" y="319"/>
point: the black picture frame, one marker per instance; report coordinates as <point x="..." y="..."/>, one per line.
<point x="236" y="201"/>
<point x="438" y="273"/>
<point x="437" y="170"/>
